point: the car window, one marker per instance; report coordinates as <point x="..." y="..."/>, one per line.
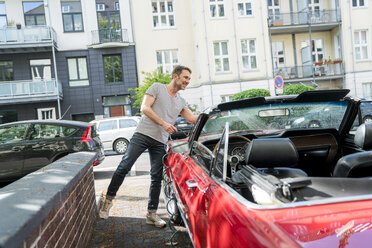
<point x="44" y="131"/>
<point x="127" y="123"/>
<point x="10" y="134"/>
<point x="107" y="125"/>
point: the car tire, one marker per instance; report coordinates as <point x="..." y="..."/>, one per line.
<point x="121" y="146"/>
<point x="314" y="124"/>
<point x="367" y="119"/>
<point x="170" y="203"/>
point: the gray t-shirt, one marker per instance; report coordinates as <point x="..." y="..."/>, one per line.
<point x="166" y="107"/>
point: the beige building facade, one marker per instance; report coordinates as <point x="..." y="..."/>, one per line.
<point x="235" y="45"/>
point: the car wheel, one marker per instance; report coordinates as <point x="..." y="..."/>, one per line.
<point x="314" y="124"/>
<point x="367" y="119"/>
<point x="170" y="203"/>
<point x="121" y="146"/>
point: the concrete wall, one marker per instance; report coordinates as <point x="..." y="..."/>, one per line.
<point x="52" y="207"/>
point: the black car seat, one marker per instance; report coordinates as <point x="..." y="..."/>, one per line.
<point x="275" y="156"/>
<point x="359" y="161"/>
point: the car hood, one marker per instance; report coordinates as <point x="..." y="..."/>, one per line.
<point x="347" y="227"/>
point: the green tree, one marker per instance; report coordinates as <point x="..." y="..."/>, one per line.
<point x="250" y="93"/>
<point x="295" y="89"/>
<point x="151" y="77"/>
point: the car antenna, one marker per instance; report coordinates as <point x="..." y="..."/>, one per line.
<point x="65" y="112"/>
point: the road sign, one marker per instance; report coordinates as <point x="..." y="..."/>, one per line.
<point x="278" y="81"/>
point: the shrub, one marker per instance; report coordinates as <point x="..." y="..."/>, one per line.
<point x="296" y="89"/>
<point x="250" y="93"/>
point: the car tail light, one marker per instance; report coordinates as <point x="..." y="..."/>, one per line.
<point x="95" y="163"/>
<point x="87" y="136"/>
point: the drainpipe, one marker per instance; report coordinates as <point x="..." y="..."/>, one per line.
<point x="263" y="38"/>
<point x="236" y="49"/>
<point x="206" y="44"/>
<point x="352" y="49"/>
<point x="54" y="60"/>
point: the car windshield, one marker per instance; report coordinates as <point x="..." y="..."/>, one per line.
<point x="278" y="117"/>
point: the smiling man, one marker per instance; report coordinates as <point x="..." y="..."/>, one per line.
<point x="160" y="108"/>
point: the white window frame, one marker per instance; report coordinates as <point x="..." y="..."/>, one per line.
<point x="167" y="14"/>
<point x="100" y="6"/>
<point x="226" y="98"/>
<point x="221" y="57"/>
<point x="317" y="53"/>
<point x="167" y="67"/>
<point x="249" y="54"/>
<point x="361" y="45"/>
<point x="367" y="90"/>
<point x="117" y="6"/>
<point x="80" y="80"/>
<point x="244" y="3"/>
<point x="274" y="9"/>
<point x="65" y="9"/>
<point x="276" y="54"/>
<point x="49" y="113"/>
<point x="365" y="4"/>
<point x="217" y="5"/>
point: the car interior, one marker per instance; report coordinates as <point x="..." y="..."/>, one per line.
<point x="294" y="167"/>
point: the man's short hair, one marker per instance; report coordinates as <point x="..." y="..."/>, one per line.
<point x="179" y="68"/>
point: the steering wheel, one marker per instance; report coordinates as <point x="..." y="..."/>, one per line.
<point x="230" y="137"/>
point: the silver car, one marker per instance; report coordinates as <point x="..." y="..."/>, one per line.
<point x="116" y="132"/>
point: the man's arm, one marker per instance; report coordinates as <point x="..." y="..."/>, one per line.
<point x="189" y="116"/>
<point x="146" y="109"/>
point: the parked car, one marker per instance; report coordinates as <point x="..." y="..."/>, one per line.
<point x="183" y="128"/>
<point x="26" y="146"/>
<point x="239" y="182"/>
<point x="116" y="132"/>
<point x="366" y="111"/>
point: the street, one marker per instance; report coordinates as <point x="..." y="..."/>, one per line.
<point x="126" y="225"/>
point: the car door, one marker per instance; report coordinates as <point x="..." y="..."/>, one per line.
<point x="12" y="151"/>
<point x="106" y="131"/>
<point x="127" y="127"/>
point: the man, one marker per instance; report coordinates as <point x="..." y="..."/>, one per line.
<point x="160" y="107"/>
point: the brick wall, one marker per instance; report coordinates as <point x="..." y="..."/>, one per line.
<point x="52" y="207"/>
<point x="70" y="223"/>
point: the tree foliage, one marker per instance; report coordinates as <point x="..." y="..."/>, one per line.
<point x="150" y="77"/>
<point x="250" y="93"/>
<point x="295" y="89"/>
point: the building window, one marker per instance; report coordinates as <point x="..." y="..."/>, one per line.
<point x="162" y="13"/>
<point x="6" y="71"/>
<point x="227" y="98"/>
<point x="72" y="16"/>
<point x="278" y="54"/>
<point x="359" y="3"/>
<point x="77" y="71"/>
<point x="167" y="60"/>
<point x="274" y="9"/>
<point x="367" y="90"/>
<point x="249" y="56"/>
<point x="361" y="45"/>
<point x="317" y="50"/>
<point x="244" y="7"/>
<point x="41" y="69"/>
<point x="100" y="7"/>
<point x="34" y="13"/>
<point x="46" y="114"/>
<point x="217" y="8"/>
<point x="117" y="6"/>
<point x="3" y="22"/>
<point x="221" y="56"/>
<point x="113" y="68"/>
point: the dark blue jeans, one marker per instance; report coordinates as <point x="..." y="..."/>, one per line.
<point x="137" y="145"/>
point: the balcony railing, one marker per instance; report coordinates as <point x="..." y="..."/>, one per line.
<point x="107" y="35"/>
<point x="27" y="35"/>
<point x="304" y="17"/>
<point x="28" y="91"/>
<point x="300" y="72"/>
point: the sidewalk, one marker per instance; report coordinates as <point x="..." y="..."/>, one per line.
<point x="126" y="225"/>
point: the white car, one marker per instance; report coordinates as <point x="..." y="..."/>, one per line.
<point x="116" y="132"/>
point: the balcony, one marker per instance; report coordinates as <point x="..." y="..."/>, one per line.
<point x="110" y="37"/>
<point x="33" y="39"/>
<point x="305" y="72"/>
<point x="299" y="22"/>
<point x="30" y="91"/>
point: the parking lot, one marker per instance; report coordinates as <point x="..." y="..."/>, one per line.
<point x="126" y="225"/>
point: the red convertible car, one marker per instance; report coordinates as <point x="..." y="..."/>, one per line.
<point x="245" y="178"/>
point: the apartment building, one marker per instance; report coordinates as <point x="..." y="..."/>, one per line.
<point x="235" y="45"/>
<point x="70" y="59"/>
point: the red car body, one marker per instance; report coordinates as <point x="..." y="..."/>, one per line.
<point x="217" y="216"/>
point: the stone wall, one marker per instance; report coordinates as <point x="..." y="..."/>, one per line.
<point x="52" y="207"/>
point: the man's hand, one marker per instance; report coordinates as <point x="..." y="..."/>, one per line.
<point x="169" y="128"/>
